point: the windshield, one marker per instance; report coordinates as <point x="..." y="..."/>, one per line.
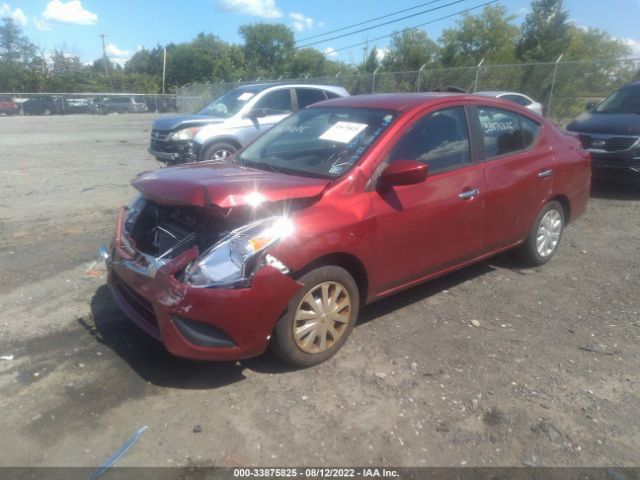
<point x="625" y="100"/>
<point x="318" y="142"/>
<point x="229" y="103"/>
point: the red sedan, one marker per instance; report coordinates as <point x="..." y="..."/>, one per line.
<point x="339" y="205"/>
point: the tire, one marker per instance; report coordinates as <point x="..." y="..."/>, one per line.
<point x="545" y="235"/>
<point x="219" y="151"/>
<point x="308" y="348"/>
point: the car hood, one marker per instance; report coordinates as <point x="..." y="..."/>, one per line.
<point x="174" y="122"/>
<point x="606" y="123"/>
<point x="224" y="185"/>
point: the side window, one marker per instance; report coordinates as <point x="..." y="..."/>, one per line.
<point x="331" y="95"/>
<point x="505" y="132"/>
<point x="309" y="96"/>
<point x="276" y="103"/>
<point x="440" y="139"/>
<point x="530" y="131"/>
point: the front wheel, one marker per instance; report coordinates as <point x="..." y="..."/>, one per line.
<point x="318" y="319"/>
<point x="219" y="151"/>
<point x="545" y="235"/>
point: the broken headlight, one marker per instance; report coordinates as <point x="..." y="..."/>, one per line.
<point x="233" y="260"/>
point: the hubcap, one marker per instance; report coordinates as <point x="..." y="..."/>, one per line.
<point x="322" y="317"/>
<point x="220" y="154"/>
<point x="549" y="232"/>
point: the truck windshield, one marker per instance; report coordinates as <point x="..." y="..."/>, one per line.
<point x="323" y="142"/>
<point x="625" y="100"/>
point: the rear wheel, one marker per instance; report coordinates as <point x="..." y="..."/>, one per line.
<point x="219" y="151"/>
<point x="318" y="319"/>
<point x="545" y="235"/>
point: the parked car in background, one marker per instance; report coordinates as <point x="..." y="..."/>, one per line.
<point x="7" y="106"/>
<point x="611" y="132"/>
<point x="338" y="205"/>
<point x="519" y="98"/>
<point x="43" y="105"/>
<point x="82" y="105"/>
<point x="232" y="120"/>
<point x="122" y="104"/>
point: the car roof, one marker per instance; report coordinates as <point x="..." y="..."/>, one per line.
<point x="497" y="93"/>
<point x="393" y="101"/>
<point x="259" y="87"/>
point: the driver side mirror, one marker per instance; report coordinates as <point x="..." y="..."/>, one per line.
<point x="404" y="172"/>
<point x="590" y="106"/>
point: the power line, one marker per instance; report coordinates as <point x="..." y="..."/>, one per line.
<point x="380" y="24"/>
<point x="366" y="21"/>
<point x="417" y="26"/>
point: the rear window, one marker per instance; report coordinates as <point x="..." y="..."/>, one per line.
<point x="506" y="132"/>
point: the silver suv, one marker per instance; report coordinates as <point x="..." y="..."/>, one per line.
<point x="232" y="120"/>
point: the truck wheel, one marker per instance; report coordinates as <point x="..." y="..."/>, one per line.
<point x="218" y="151"/>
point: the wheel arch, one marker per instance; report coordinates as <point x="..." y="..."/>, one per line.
<point x="349" y="262"/>
<point x="222" y="139"/>
<point x="566" y="206"/>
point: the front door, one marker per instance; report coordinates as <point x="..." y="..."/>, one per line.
<point x="431" y="226"/>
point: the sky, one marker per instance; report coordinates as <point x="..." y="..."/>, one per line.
<point x="75" y="26"/>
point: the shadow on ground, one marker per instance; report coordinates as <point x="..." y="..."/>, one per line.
<point x="151" y="362"/>
<point x="614" y="189"/>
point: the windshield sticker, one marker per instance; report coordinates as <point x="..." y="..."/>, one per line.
<point x="343" y="132"/>
<point x="245" y="96"/>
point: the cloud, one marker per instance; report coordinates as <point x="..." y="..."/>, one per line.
<point x="69" y="12"/>
<point x="18" y="15"/>
<point x="41" y="24"/>
<point x="330" y="53"/>
<point x="256" y="8"/>
<point x="300" y="22"/>
<point x="117" y="55"/>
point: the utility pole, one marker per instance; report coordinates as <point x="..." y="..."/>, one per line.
<point x="106" y="61"/>
<point x="164" y="67"/>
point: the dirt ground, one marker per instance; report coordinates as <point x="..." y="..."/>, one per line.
<point x="550" y="377"/>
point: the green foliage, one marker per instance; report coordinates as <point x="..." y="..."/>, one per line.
<point x="410" y="50"/>
<point x="490" y="35"/>
<point x="268" y="48"/>
<point x="545" y="32"/>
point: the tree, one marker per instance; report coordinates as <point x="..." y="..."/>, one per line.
<point x="409" y="50"/>
<point x="491" y="35"/>
<point x="268" y="48"/>
<point x="593" y="44"/>
<point x="545" y="32"/>
<point x="307" y="61"/>
<point x="371" y="63"/>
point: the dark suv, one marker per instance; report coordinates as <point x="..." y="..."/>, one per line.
<point x="611" y="132"/>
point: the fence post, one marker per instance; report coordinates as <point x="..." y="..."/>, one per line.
<point x="475" y="85"/>
<point x="419" y="73"/>
<point x="373" y="80"/>
<point x="553" y="82"/>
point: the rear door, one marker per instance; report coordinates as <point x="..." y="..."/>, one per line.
<point x="434" y="225"/>
<point x="518" y="171"/>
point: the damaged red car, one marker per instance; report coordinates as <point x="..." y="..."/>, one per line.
<point x="339" y="205"/>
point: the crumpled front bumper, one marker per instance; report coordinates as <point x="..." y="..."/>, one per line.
<point x="198" y="323"/>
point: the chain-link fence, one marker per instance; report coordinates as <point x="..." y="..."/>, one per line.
<point x="563" y="88"/>
<point x="83" y="103"/>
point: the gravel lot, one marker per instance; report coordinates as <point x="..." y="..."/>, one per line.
<point x="550" y="376"/>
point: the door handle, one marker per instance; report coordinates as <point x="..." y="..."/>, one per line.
<point x="469" y="194"/>
<point x="545" y="173"/>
